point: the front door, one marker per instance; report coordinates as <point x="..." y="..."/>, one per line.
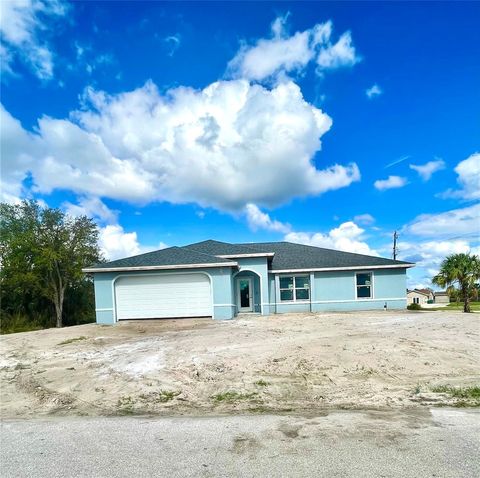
<point x="245" y="296"/>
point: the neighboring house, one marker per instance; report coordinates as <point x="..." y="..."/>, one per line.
<point x="419" y="296"/>
<point x="219" y="280"/>
<point x="442" y="298"/>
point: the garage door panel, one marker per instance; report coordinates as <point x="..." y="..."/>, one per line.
<point x="157" y="296"/>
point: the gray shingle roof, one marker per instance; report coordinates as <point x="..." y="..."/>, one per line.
<point x="218" y="248"/>
<point x="299" y="256"/>
<point x="165" y="257"/>
<point x="288" y="256"/>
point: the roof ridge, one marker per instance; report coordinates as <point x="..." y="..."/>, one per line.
<point x="189" y="249"/>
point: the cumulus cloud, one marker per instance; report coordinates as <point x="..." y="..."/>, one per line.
<point x="425" y="171"/>
<point x="92" y="207"/>
<point x="260" y="220"/>
<point x="464" y="221"/>
<point x="346" y="237"/>
<point x="373" y="91"/>
<point x="428" y="256"/>
<point x="17" y="148"/>
<point x="282" y="54"/>
<point x="390" y="183"/>
<point x="225" y="146"/>
<point x="468" y="172"/>
<point x="115" y="243"/>
<point x="23" y="28"/>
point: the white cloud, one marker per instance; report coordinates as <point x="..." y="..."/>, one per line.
<point x="115" y="243"/>
<point x="17" y="149"/>
<point x="172" y="43"/>
<point x="341" y="54"/>
<point x="428" y="257"/>
<point x="346" y="237"/>
<point x="390" y="183"/>
<point x="225" y="146"/>
<point x="373" y="91"/>
<point x="92" y="207"/>
<point x="23" y="28"/>
<point x="468" y="172"/>
<point x="282" y="54"/>
<point x="365" y="219"/>
<point x="426" y="170"/>
<point x="457" y="222"/>
<point x="259" y="220"/>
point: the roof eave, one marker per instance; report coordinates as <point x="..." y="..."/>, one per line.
<point x="349" y="268"/>
<point x="162" y="267"/>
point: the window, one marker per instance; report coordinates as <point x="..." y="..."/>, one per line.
<point x="364" y="285"/>
<point x="294" y="288"/>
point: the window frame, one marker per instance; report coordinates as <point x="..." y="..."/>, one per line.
<point x="294" y="288"/>
<point x="372" y="288"/>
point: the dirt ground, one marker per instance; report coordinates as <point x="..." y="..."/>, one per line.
<point x="281" y="363"/>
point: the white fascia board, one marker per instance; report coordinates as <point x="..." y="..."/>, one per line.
<point x="159" y="268"/>
<point x="255" y="254"/>
<point x="326" y="269"/>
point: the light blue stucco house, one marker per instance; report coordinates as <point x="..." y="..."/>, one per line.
<point x="219" y="280"/>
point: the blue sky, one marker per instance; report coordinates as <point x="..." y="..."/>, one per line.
<point x="331" y="124"/>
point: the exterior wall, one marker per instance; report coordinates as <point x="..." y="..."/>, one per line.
<point x="329" y="291"/>
<point x="442" y="299"/>
<point x="257" y="265"/>
<point x="221" y="284"/>
<point x="422" y="299"/>
<point x="336" y="291"/>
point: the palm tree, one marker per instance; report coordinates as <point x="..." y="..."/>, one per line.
<point x="461" y="269"/>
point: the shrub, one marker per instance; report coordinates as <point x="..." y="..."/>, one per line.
<point x="414" y="307"/>
<point x="18" y="322"/>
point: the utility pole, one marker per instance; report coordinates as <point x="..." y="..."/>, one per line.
<point x="395" y="237"/>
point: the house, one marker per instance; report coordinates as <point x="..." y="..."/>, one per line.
<point x="442" y="297"/>
<point x="419" y="296"/>
<point x="219" y="280"/>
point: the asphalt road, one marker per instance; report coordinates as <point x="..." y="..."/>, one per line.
<point x="430" y="443"/>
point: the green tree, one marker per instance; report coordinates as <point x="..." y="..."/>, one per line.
<point x="463" y="270"/>
<point x="42" y="252"/>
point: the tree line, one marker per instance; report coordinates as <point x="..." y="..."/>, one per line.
<point x="42" y="253"/>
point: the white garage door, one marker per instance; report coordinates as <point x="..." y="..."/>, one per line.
<point x="160" y="296"/>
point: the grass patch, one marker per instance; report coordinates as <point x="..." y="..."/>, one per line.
<point x="261" y="383"/>
<point x="459" y="306"/>
<point x="474" y="307"/>
<point x="458" y="392"/>
<point x="74" y="339"/>
<point x="232" y="396"/>
<point x="14" y="323"/>
<point x="125" y="405"/>
<point x="162" y="396"/>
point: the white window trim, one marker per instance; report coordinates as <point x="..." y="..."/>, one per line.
<point x="372" y="286"/>
<point x="302" y="301"/>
